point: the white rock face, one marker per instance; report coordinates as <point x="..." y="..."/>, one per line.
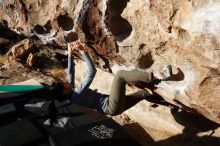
<point x="206" y="19"/>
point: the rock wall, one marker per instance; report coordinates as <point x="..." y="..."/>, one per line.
<point x="130" y="34"/>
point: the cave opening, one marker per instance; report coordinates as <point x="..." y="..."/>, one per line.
<point x="145" y="61"/>
<point x="119" y="27"/>
<point x="65" y="22"/>
<point x="43" y="29"/>
<point x="71" y="37"/>
<point x="39" y="29"/>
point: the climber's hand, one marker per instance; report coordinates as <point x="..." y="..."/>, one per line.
<point x="80" y="47"/>
<point x="71" y="46"/>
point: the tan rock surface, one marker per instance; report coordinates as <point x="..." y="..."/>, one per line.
<point x="16" y="72"/>
<point x="20" y="50"/>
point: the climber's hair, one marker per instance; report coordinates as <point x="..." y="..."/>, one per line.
<point x="56" y="90"/>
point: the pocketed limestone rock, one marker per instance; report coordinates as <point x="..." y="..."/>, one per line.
<point x="32" y="59"/>
<point x="17" y="72"/>
<point x="21" y="50"/>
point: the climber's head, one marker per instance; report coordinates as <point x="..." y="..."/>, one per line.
<point x="60" y="90"/>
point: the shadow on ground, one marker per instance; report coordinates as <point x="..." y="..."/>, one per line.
<point x="194" y="126"/>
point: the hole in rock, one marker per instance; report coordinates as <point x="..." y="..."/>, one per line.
<point x="20" y="29"/>
<point x="169" y="29"/>
<point x="30" y="7"/>
<point x="184" y="35"/>
<point x="43" y="29"/>
<point x="40" y="29"/>
<point x="119" y="27"/>
<point x="145" y="61"/>
<point x="65" y="22"/>
<point x="4" y="23"/>
<point x="11" y="6"/>
<point x="71" y="37"/>
<point x="48" y="26"/>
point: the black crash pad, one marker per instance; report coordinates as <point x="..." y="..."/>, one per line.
<point x="19" y="133"/>
<point x="101" y="133"/>
<point x="7" y="113"/>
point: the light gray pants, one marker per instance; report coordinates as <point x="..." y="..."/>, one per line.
<point x="116" y="100"/>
